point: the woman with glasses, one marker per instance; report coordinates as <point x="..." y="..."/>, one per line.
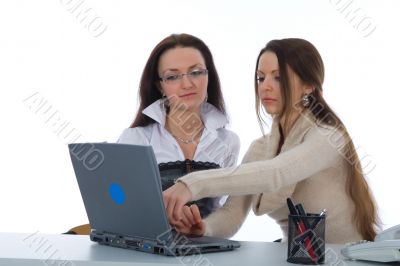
<point x="308" y="156"/>
<point x="182" y="116"/>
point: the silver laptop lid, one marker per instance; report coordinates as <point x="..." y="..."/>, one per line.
<point x="121" y="189"/>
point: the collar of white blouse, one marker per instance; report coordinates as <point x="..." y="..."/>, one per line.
<point x="211" y="116"/>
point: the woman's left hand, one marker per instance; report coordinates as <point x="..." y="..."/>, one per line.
<point x="193" y="224"/>
<point x="175" y="197"/>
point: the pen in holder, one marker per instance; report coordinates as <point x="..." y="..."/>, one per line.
<point x="306" y="239"/>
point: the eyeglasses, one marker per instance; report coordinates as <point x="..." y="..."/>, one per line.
<point x="173" y="79"/>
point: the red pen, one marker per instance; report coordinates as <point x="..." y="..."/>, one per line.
<point x="301" y="228"/>
<point x="304" y="226"/>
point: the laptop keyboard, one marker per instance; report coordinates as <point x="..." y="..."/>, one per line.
<point x="180" y="239"/>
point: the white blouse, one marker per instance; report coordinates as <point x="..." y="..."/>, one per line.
<point x="217" y="144"/>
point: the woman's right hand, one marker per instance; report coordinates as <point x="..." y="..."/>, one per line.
<point x="191" y="224"/>
<point x="175" y="197"/>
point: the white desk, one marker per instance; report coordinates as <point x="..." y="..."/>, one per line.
<point x="69" y="250"/>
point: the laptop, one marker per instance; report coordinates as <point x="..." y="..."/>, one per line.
<point x="121" y="190"/>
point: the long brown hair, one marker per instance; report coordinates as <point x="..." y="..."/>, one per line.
<point x="305" y="61"/>
<point x="148" y="90"/>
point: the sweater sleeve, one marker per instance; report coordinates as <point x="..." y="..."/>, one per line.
<point x="316" y="153"/>
<point x="227" y="220"/>
<point x="266" y="203"/>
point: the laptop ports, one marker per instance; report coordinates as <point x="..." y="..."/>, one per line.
<point x="133" y="244"/>
<point x="158" y="250"/>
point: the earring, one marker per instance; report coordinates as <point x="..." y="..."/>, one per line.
<point x="162" y="102"/>
<point x="205" y="99"/>
<point x="306" y="101"/>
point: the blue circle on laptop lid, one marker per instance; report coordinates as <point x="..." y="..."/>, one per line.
<point x="117" y="194"/>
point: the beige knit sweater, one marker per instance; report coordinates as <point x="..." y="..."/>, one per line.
<point x="310" y="169"/>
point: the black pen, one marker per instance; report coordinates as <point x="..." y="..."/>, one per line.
<point x="292" y="208"/>
<point x="301" y="226"/>
<point x="302" y="212"/>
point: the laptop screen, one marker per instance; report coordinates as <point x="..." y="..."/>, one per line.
<point x="121" y="188"/>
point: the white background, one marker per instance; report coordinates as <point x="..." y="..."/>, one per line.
<point x="91" y="83"/>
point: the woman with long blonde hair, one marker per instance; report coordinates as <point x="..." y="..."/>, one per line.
<point x="308" y="156"/>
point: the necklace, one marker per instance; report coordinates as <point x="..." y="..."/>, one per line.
<point x="186" y="141"/>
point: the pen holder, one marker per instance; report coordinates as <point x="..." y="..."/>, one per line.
<point x="306" y="239"/>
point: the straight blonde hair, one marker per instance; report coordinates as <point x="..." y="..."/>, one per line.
<point x="304" y="59"/>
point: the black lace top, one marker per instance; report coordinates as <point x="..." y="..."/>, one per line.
<point x="171" y="171"/>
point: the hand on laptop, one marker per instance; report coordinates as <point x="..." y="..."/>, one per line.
<point x="191" y="224"/>
<point x="175" y="198"/>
